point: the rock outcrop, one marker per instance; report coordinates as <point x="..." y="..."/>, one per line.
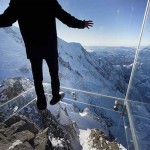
<point x="100" y="141"/>
<point x="18" y="133"/>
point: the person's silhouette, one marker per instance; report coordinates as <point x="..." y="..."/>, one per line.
<point x="36" y="19"/>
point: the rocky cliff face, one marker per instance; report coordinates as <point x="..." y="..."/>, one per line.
<point x="18" y="133"/>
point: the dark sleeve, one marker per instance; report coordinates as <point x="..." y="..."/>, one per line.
<point x="67" y="19"/>
<point x="9" y="16"/>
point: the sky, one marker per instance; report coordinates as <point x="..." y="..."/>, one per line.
<point x="116" y="22"/>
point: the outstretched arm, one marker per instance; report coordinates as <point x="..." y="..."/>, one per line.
<point x="69" y="20"/>
<point x="9" y="16"/>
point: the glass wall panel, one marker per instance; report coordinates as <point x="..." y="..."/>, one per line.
<point x="138" y="100"/>
<point x="139" y="90"/>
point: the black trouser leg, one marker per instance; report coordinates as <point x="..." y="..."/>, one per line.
<point x="36" y="65"/>
<point x="53" y="69"/>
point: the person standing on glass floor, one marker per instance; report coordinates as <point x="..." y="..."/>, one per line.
<point x="37" y="22"/>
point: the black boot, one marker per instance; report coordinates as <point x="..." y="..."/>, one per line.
<point x="41" y="103"/>
<point x="57" y="98"/>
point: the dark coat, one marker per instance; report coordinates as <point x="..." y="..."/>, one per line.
<point x="37" y="22"/>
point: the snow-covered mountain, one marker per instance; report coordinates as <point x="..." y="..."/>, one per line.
<point x="122" y="59"/>
<point x="78" y="68"/>
<point x="106" y="72"/>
